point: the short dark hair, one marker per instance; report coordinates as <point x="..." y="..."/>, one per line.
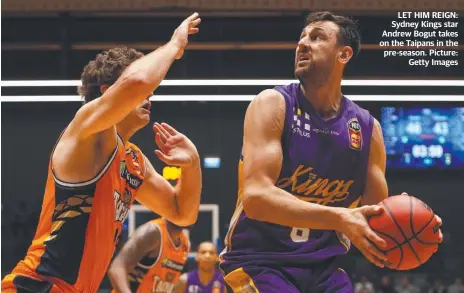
<point x="105" y="69"/>
<point x="349" y="34"/>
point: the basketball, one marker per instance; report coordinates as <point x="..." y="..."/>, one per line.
<point x="410" y="229"/>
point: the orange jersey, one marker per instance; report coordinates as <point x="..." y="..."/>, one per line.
<point x="79" y="227"/>
<point x="159" y="275"/>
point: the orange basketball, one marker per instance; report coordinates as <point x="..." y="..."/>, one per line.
<point x="410" y="229"/>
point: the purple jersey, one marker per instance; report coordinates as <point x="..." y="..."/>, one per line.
<point x="194" y="285"/>
<point x="324" y="162"/>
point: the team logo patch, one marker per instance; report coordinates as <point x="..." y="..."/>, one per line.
<point x="354" y="133"/>
<point x="217" y="287"/>
<point x="134" y="160"/>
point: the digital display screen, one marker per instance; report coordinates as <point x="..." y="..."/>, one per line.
<point x="423" y="137"/>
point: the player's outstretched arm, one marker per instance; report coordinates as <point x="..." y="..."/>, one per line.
<point x="376" y="188"/>
<point x="135" y="84"/>
<point x="263" y="201"/>
<point x="180" y="285"/>
<point x="146" y="238"/>
<point x="179" y="204"/>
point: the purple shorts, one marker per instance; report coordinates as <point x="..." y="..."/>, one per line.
<point x="254" y="279"/>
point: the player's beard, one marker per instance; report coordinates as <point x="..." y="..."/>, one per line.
<point x="315" y="73"/>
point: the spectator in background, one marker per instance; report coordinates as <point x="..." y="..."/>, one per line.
<point x="457" y="287"/>
<point x="364" y="286"/>
<point x="406" y="287"/>
<point x="437" y="287"/>
<point x="386" y="286"/>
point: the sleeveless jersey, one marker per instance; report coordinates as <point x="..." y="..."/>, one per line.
<point x="160" y="274"/>
<point x="194" y="285"/>
<point x="80" y="223"/>
<point x="324" y="162"/>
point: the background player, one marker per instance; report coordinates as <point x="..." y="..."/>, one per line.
<point x="152" y="260"/>
<point x="95" y="173"/>
<point x="310" y="156"/>
<point x="206" y="278"/>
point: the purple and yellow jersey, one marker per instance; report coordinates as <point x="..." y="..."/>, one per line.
<point x="324" y="162"/>
<point x="194" y="285"/>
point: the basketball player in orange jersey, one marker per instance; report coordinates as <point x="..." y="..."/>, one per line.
<point x="206" y="278"/>
<point x="95" y="173"/>
<point x="312" y="170"/>
<point x="152" y="260"/>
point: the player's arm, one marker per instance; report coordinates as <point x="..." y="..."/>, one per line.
<point x="180" y="285"/>
<point x="145" y="239"/>
<point x="135" y="84"/>
<point x="376" y="188"/>
<point x="179" y="204"/>
<point x="262" y="162"/>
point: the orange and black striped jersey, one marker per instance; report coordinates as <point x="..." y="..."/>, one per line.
<point x="80" y="224"/>
<point x="158" y="275"/>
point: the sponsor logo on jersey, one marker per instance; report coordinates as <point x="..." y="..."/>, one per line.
<point x="133" y="181"/>
<point x="301" y="124"/>
<point x="354" y="134"/>
<point x="170" y="264"/>
<point x="325" y="131"/>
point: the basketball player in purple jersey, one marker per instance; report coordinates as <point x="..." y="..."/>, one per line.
<point x="310" y="158"/>
<point x="205" y="279"/>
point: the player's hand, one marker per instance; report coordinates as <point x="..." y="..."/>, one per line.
<point x="355" y="226"/>
<point x="175" y="148"/>
<point x="180" y="36"/>
<point x="440" y="223"/>
<point x="438" y="219"/>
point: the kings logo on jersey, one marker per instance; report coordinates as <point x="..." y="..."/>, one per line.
<point x="354" y="134"/>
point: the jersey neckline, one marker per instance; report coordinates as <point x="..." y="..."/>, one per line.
<point x="315" y="115"/>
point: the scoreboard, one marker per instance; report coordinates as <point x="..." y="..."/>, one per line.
<point x="423" y="137"/>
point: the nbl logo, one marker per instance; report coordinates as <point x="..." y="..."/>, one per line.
<point x="354" y="134"/>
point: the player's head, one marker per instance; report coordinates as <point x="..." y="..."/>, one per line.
<point x="102" y="72"/>
<point x="326" y="44"/>
<point x="385" y="280"/>
<point x="405" y="281"/>
<point x="206" y="256"/>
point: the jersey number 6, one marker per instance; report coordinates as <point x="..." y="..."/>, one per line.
<point x="299" y="234"/>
